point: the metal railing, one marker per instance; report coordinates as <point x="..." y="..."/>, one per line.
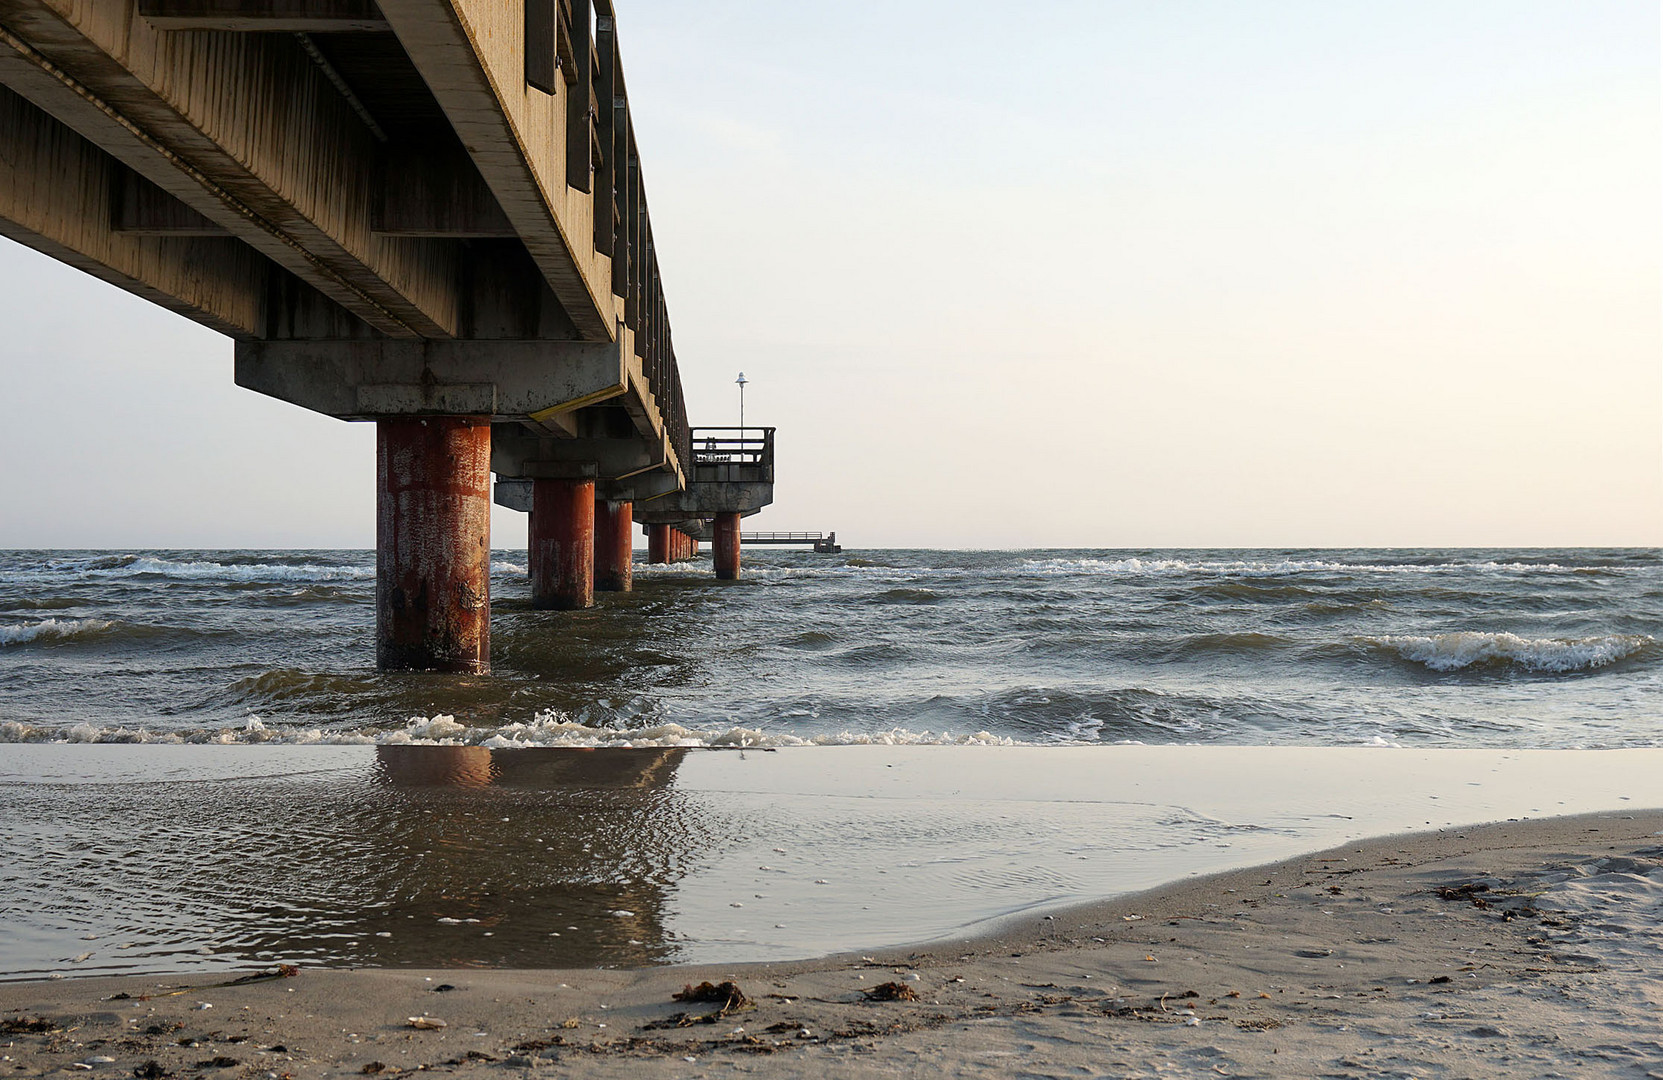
<point x="733" y="446"/>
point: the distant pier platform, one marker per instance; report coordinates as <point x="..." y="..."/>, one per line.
<point x="822" y="542"/>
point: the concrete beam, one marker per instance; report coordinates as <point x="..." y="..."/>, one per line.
<point x="706" y="500"/>
<point x="518" y="453"/>
<point x="512" y="492"/>
<point x="430" y="193"/>
<point x="245" y="129"/>
<point x="471" y="55"/>
<point x="142" y="208"/>
<point x="644" y="491"/>
<point x="506" y="380"/>
<point x="295" y="16"/>
<point x="56" y="193"/>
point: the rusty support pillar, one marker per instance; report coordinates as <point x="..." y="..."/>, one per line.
<point x="433" y="544"/>
<point x="725" y="547"/>
<point x="658" y="543"/>
<point x="614" y="541"/>
<point x="562" y="543"/>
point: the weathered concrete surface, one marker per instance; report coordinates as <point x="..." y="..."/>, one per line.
<point x="614" y="543"/>
<point x="433" y="544"/>
<point x="658" y="544"/>
<point x="509" y="380"/>
<point x="562" y="544"/>
<point x="725" y="546"/>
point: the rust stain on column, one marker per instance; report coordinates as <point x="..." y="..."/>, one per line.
<point x="658" y="543"/>
<point x="433" y="544"/>
<point x="614" y="526"/>
<point x="725" y="546"/>
<point x="562" y="543"/>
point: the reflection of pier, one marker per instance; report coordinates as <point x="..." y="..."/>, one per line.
<point x="530" y="856"/>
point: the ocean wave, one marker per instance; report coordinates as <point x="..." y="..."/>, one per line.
<point x="208" y="570"/>
<point x="1466" y="649"/>
<point x="1243" y="568"/>
<point x="546" y="730"/>
<point x="18" y="634"/>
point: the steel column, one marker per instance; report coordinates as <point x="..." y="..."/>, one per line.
<point x="725" y="546"/>
<point x="433" y="544"/>
<point x="562" y="543"/>
<point x="614" y="542"/>
<point x="658" y="543"/>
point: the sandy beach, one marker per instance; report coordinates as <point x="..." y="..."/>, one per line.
<point x="1515" y="949"/>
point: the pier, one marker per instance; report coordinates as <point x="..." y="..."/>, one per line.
<point x="820" y="543"/>
<point x="425" y="214"/>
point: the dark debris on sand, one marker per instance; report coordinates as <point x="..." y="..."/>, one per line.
<point x="891" y="991"/>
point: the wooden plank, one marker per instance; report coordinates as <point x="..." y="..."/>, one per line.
<point x="264" y="16"/>
<point x="606" y="175"/>
<point x="580" y="101"/>
<point x="541" y="70"/>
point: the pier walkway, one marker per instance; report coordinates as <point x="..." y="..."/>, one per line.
<point x="427" y="214"/>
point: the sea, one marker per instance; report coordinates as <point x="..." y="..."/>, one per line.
<point x="201" y="770"/>
<point x="1432" y="648"/>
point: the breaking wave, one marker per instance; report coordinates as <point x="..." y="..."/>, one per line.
<point x="52" y="629"/>
<point x="130" y="566"/>
<point x="546" y="730"/>
<point x="1468" y="649"/>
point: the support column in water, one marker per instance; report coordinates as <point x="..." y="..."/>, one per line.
<point x="614" y="541"/>
<point x="658" y="543"/>
<point x="433" y="544"/>
<point x="562" y="543"/>
<point x="725" y="546"/>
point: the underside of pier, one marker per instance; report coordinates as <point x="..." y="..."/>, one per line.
<point x="429" y="214"/>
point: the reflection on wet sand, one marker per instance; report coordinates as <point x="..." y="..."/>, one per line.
<point x="541" y="878"/>
<point x="476" y="767"/>
<point x="436" y="856"/>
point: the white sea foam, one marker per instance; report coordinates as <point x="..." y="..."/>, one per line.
<point x="207" y="570"/>
<point x="1464" y="649"/>
<point x="17" y="634"/>
<point x="508" y="568"/>
<point x="547" y="729"/>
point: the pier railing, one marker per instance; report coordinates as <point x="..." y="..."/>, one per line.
<point x="733" y="446"/>
<point x="575" y="42"/>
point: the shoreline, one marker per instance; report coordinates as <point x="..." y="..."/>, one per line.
<point x="1500" y="949"/>
<point x="184" y="861"/>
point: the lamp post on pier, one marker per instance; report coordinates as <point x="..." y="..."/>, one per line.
<point x="741" y="381"/>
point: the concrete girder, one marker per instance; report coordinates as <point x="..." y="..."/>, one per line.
<point x="56" y="193"/>
<point x="469" y="53"/>
<point x="246" y="130"/>
<point x="522" y="381"/>
<point x="642" y="489"/>
<point x="701" y="500"/>
<point x="294" y="16"/>
<point x="523" y="454"/>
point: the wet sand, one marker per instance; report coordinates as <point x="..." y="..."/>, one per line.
<point x="175" y="860"/>
<point x="1516" y="949"/>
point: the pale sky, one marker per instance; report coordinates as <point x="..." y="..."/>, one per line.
<point x="1110" y="273"/>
